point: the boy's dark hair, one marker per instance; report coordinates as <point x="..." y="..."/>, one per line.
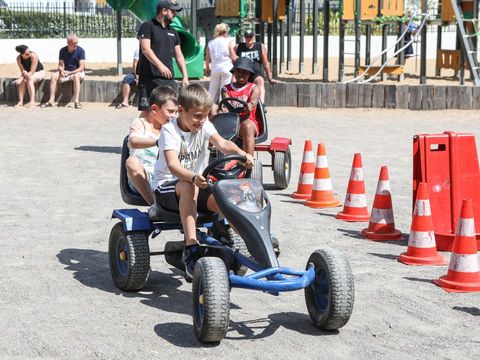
<point x="161" y="94"/>
<point x="194" y="95"/>
<point x="21" y="48"/>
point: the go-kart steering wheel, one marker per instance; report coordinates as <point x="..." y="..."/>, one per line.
<point x="220" y="173"/>
<point x="236" y="106"/>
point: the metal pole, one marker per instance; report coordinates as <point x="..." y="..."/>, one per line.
<point x="341" y="55"/>
<point x="274" y="38"/>
<point x="439" y="46"/>
<point x="290" y="17"/>
<point x="314" y="36"/>
<point x="119" y="42"/>
<point x="384" y="46"/>
<point x="64" y="19"/>
<point x="269" y="42"/>
<point x="368" y="43"/>
<point x="193" y="18"/>
<point x="302" y="37"/>
<point x="326" y="34"/>
<point x="358" y="35"/>
<point x="423" y="49"/>
<point x="282" y="48"/>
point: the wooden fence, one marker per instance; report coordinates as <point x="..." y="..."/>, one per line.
<point x="301" y="94"/>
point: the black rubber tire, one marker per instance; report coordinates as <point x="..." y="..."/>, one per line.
<point x="131" y="273"/>
<point x="229" y="237"/>
<point x="330" y="296"/>
<point x="282" y="168"/>
<point x="211" y="299"/>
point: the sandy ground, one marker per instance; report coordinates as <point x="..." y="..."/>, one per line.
<point x="107" y="71"/>
<point x="59" y="184"/>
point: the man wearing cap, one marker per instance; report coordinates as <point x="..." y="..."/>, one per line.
<point x="158" y="43"/>
<point x="257" y="52"/>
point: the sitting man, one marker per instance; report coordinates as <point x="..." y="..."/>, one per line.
<point x="182" y="156"/>
<point x="128" y="81"/>
<point x="142" y="140"/>
<point x="71" y="67"/>
<point x="247" y="91"/>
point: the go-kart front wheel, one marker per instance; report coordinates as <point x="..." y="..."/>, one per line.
<point x="330" y="296"/>
<point x="129" y="258"/>
<point x="282" y="168"/>
<point x="211" y="299"/>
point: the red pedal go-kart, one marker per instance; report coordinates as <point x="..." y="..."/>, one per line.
<point x="279" y="147"/>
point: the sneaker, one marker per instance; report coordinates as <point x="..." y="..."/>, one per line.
<point x="190" y="256"/>
<point x="143" y="104"/>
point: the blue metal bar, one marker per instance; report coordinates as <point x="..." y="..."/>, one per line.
<point x="303" y="280"/>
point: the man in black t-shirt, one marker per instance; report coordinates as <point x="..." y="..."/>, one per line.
<point x="257" y="52"/>
<point x="158" y="43"/>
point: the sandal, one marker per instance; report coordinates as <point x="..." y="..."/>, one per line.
<point x="47" y="105"/>
<point x="121" y="106"/>
<point x="78" y="105"/>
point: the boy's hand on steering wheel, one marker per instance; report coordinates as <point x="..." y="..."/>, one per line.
<point x="249" y="162"/>
<point x="200" y="181"/>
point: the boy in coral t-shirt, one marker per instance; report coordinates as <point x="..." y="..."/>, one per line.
<point x="142" y="141"/>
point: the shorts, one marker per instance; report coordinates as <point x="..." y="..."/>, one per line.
<point x="62" y="80"/>
<point x="150" y="180"/>
<point x="256" y="75"/>
<point x="129" y="79"/>
<point x="166" y="197"/>
<point x="146" y="86"/>
<point x="36" y="77"/>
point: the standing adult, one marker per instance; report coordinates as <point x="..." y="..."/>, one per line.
<point x="257" y="52"/>
<point x="158" y="43"/>
<point x="218" y="60"/>
<point x="31" y="72"/>
<point x="71" y="67"/>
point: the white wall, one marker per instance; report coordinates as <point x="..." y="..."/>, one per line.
<point x="105" y="50"/>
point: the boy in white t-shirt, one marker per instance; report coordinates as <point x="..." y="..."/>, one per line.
<point x="182" y="157"/>
<point x="142" y="141"/>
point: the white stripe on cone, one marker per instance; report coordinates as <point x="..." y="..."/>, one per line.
<point x="383" y="187"/>
<point x="306" y="178"/>
<point x="466" y="227"/>
<point x="422" y="208"/>
<point x="464" y="263"/>
<point x="356" y="174"/>
<point x="422" y="239"/>
<point x="308" y="157"/>
<point x="322" y="184"/>
<point x="322" y="161"/>
<point x="356" y="200"/>
<point x="382" y="216"/>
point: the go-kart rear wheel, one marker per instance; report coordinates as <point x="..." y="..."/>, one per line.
<point x="330" y="296"/>
<point x="229" y="237"/>
<point x="282" y="168"/>
<point x="129" y="258"/>
<point x="211" y="299"/>
<point x="257" y="171"/>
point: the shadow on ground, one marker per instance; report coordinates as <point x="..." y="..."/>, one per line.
<point x="100" y="149"/>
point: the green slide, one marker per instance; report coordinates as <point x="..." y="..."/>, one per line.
<point x="192" y="51"/>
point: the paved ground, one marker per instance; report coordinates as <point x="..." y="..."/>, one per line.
<point x="59" y="184"/>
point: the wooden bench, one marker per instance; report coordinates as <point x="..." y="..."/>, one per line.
<point x="388" y="69"/>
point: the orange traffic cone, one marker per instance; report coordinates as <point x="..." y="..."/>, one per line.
<point x="463" y="271"/>
<point x="382" y="223"/>
<point x="322" y="190"/>
<point x="422" y="249"/>
<point x="355" y="206"/>
<point x="305" y="180"/>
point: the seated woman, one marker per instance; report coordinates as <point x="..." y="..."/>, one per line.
<point x="31" y="72"/>
<point x="247" y="91"/>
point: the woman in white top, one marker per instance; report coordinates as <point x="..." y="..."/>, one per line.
<point x="218" y="61"/>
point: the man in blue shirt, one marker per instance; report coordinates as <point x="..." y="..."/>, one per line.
<point x="71" y="67"/>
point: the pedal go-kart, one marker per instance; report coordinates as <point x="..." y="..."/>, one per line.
<point x="327" y="280"/>
<point x="279" y="148"/>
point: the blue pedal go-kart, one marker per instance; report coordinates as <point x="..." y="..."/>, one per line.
<point x="327" y="279"/>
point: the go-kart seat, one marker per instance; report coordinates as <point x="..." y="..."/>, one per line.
<point x="128" y="195"/>
<point x="262" y="124"/>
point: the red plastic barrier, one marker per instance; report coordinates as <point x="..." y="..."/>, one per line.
<point x="448" y="163"/>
